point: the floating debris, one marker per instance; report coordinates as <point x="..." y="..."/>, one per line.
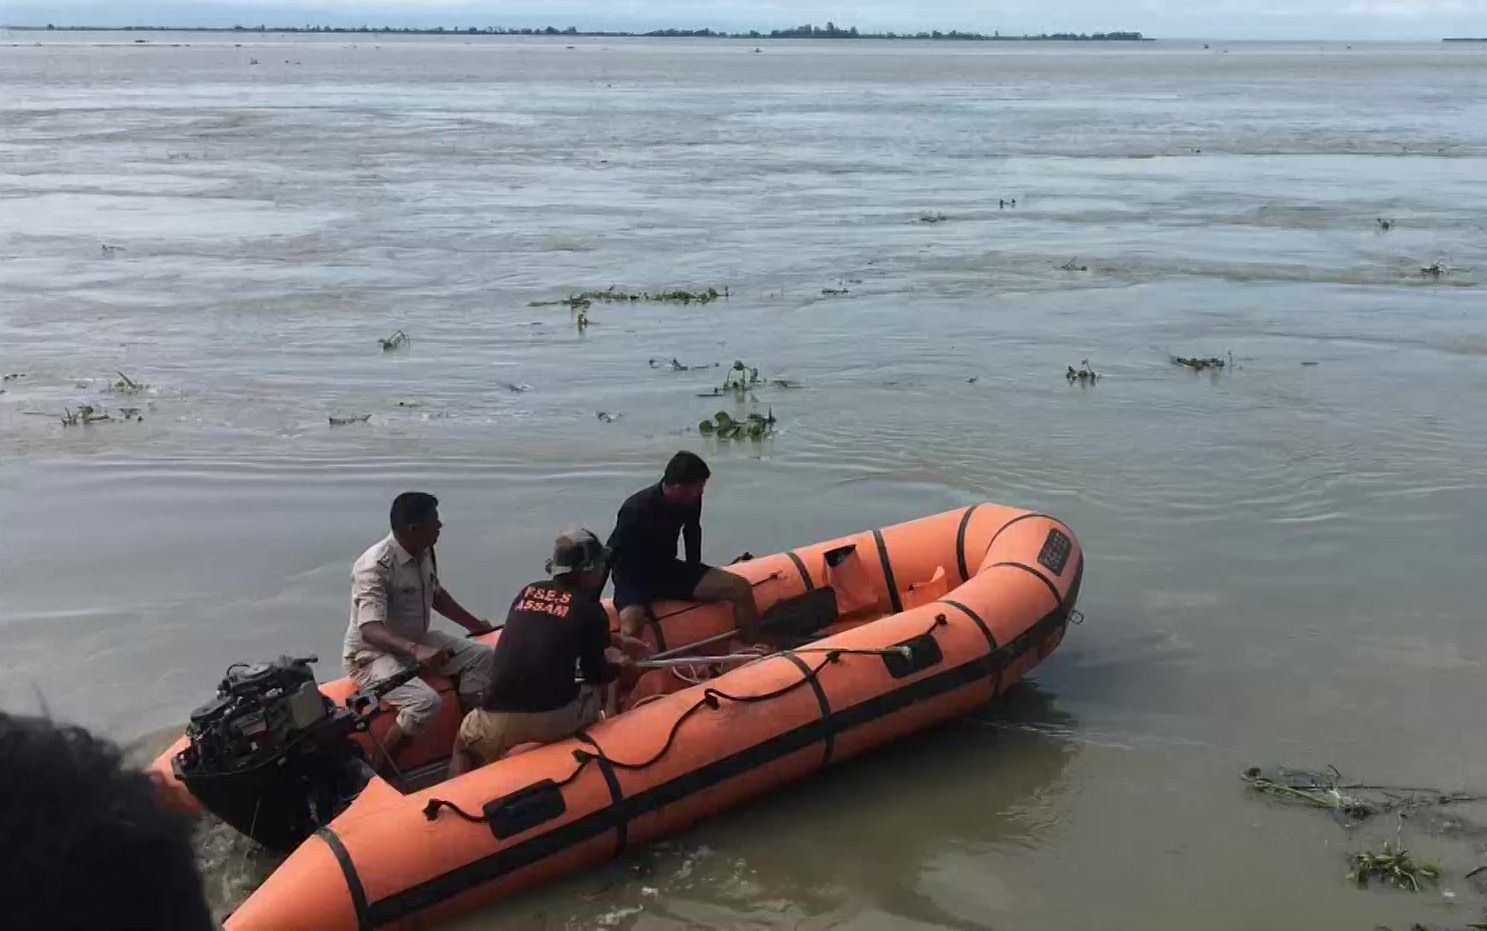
<point x="397" y="340"/>
<point x="1084" y="375"/>
<point x="348" y="421"/>
<point x="722" y="425"/>
<point x="410" y="404"/>
<point x="582" y="321"/>
<point x="110" y="250"/>
<point x="1328" y="791"/>
<point x="513" y="387"/>
<point x="1384" y="224"/>
<point x="834" y="292"/>
<point x="12" y="376"/>
<point x="740" y="378"/>
<point x="1308" y="364"/>
<point x="1434" y="270"/>
<point x="1393" y="868"/>
<point x="126" y="385"/>
<point x="677" y="366"/>
<point x="931" y="218"/>
<point x="975" y="378"/>
<point x="606" y="416"/>
<point x="1069" y="266"/>
<point x="131" y="413"/>
<point x="614" y="296"/>
<point x="785" y="383"/>
<point x="85" y="414"/>
<point x="1203" y="365"/>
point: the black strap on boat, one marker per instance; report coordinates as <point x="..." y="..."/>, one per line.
<point x="353" y="881"/>
<point x="994" y="660"/>
<point x="616" y="795"/>
<point x="985" y="631"/>
<point x="828" y="734"/>
<point x="893" y="597"/>
<point x="800" y="566"/>
<point x="1057" y="598"/>
<point x="654" y="623"/>
<point x="960" y="543"/>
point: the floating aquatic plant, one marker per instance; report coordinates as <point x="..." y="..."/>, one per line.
<point x="613" y="295"/>
<point x="126" y="385"/>
<point x="1392" y="867"/>
<point x="1203" y="365"/>
<point x="1084" y="375"/>
<point x="755" y="426"/>
<point x="85" y="414"/>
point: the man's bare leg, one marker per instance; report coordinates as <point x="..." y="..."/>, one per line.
<point x="721" y="585"/>
<point x="393" y="744"/>
<point x="632" y="621"/>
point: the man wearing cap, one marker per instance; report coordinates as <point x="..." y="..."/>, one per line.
<point x="551" y="626"/>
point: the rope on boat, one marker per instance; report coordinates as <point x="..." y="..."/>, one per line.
<point x="710" y="699"/>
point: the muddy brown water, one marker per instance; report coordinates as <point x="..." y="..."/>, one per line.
<point x="1284" y="560"/>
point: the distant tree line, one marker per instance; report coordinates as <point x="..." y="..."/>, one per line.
<point x="808" y="31"/>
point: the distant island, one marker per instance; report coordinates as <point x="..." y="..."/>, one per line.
<point x="1464" y="39"/>
<point x="808" y="31"/>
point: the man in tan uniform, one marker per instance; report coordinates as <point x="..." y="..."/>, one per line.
<point x="394" y="586"/>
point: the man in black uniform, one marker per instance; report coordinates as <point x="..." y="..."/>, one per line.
<point x="551" y="627"/>
<point x="644" y="545"/>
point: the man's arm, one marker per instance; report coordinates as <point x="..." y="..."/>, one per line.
<point x="378" y="635"/>
<point x="692" y="536"/>
<point x="592" y="663"/>
<point x="369" y="593"/>
<point x="445" y="604"/>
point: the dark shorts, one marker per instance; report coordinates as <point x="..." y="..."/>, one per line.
<point x="674" y="580"/>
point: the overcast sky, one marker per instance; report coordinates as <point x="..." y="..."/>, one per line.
<point x="1276" y="19"/>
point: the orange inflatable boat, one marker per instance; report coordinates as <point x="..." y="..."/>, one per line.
<point x="873" y="636"/>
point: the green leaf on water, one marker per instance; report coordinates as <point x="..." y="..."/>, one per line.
<point x="705" y="427"/>
<point x="723" y="419"/>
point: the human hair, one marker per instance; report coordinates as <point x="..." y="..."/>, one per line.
<point x="686" y="468"/>
<point x="412" y="507"/>
<point x="92" y="846"/>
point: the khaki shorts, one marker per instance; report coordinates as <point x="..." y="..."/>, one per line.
<point x="490" y="734"/>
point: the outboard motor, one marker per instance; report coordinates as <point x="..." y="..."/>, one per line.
<point x="272" y="756"/>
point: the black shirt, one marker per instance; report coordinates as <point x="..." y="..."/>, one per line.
<point x="646" y="529"/>
<point x="547" y="631"/>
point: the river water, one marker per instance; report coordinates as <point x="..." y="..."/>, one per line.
<point x="1284" y="558"/>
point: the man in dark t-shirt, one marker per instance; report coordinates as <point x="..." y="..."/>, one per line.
<point x="646" y="568"/>
<point x="552" y="627"/>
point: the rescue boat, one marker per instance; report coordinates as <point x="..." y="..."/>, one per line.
<point x="870" y="637"/>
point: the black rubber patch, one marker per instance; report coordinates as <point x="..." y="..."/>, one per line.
<point x="893" y="596"/>
<point x="353" y="881"/>
<point x="924" y="652"/>
<point x="524" y="809"/>
<point x="1055" y="552"/>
